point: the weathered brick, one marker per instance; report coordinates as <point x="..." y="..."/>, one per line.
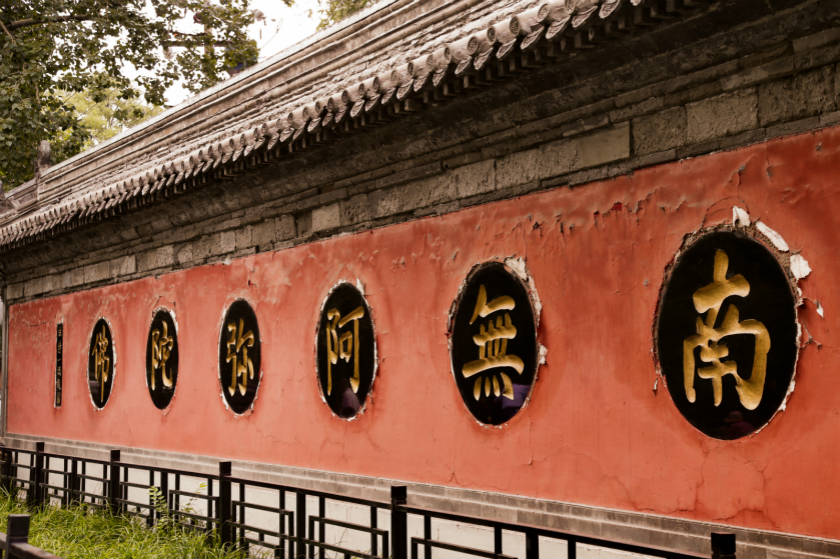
<point x="648" y="105"/>
<point x="816" y="40"/>
<point x="837" y="83"/>
<point x="659" y="131"/>
<point x="326" y="217"/>
<point x="602" y="147"/>
<point x="829" y="119"/>
<point x="78" y="276"/>
<point x="243" y="238"/>
<point x="303" y="223"/>
<point x="473" y="179"/>
<point x="284" y="227"/>
<point x="123" y="266"/>
<point x="563" y="156"/>
<point x="721" y="115"/>
<point x="184" y="254"/>
<point x="262" y="233"/>
<point x="793" y="127"/>
<point x="356" y="210"/>
<point x="805" y="94"/>
<point x="67" y="279"/>
<point x="127" y="233"/>
<point x="524" y="166"/>
<point x="227" y="241"/>
<point x="411" y="196"/>
<point x="743" y="138"/>
<point x="754" y="75"/>
<point x="34" y="287"/>
<point x="15" y="291"/>
<point x="97" y="272"/>
<point x="829" y="54"/>
<point x="583" y="125"/>
<point x="160" y="257"/>
<point x="205" y="246"/>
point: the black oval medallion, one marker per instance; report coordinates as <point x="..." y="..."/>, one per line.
<point x="726" y="334"/>
<point x="101" y="363"/>
<point x="346" y="350"/>
<point x="239" y="356"/>
<point x="162" y="358"/>
<point x="494" y="346"/>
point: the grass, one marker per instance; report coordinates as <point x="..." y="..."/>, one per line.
<point x="82" y="532"/>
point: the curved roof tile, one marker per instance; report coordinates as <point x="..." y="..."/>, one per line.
<point x="436" y="62"/>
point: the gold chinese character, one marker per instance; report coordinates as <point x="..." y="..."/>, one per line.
<point x="492" y="340"/>
<point x="162" y="345"/>
<point x="242" y="366"/>
<point x="101" y="361"/>
<point x="709" y="299"/>
<point x="343" y="346"/>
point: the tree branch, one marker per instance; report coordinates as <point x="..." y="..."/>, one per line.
<point x="168" y="44"/>
<point x="30" y="21"/>
<point x="192" y="35"/>
<point x="11" y="37"/>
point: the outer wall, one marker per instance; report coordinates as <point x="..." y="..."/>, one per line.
<point x="595" y="431"/>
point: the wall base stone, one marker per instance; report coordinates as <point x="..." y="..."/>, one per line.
<point x="639" y="528"/>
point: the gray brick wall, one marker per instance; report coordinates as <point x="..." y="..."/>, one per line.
<point x="565" y="124"/>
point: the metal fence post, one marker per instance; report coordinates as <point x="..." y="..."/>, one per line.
<point x="75" y="485"/>
<point x="8" y="470"/>
<point x="223" y="510"/>
<point x="114" y="483"/>
<point x="399" y="522"/>
<point x="723" y="545"/>
<point x="532" y="544"/>
<point x="300" y="524"/>
<point x="34" y="496"/>
<point x="164" y="491"/>
<point x="17" y="531"/>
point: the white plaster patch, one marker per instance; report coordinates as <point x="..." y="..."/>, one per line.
<point x="740" y="217"/>
<point x="543" y="353"/>
<point x="820" y="310"/>
<point x="517" y="266"/>
<point x="799" y="267"/>
<point x="783" y="406"/>
<point x="777" y="240"/>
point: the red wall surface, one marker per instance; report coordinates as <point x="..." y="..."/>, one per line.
<point x="595" y="430"/>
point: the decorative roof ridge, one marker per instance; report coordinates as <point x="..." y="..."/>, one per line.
<point x="172" y="122"/>
<point x="480" y="54"/>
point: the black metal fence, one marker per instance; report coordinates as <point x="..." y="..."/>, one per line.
<point x="281" y="521"/>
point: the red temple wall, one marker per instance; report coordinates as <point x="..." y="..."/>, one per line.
<point x="594" y="432"/>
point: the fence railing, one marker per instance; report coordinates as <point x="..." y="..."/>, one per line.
<point x="14" y="544"/>
<point x="292" y="522"/>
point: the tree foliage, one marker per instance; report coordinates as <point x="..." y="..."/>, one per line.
<point x="116" y="49"/>
<point x="332" y="11"/>
<point x="104" y="114"/>
<point x="76" y="72"/>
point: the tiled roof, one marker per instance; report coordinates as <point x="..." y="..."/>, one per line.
<point x="466" y="49"/>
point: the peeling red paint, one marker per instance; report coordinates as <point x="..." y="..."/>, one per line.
<point x="594" y="431"/>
